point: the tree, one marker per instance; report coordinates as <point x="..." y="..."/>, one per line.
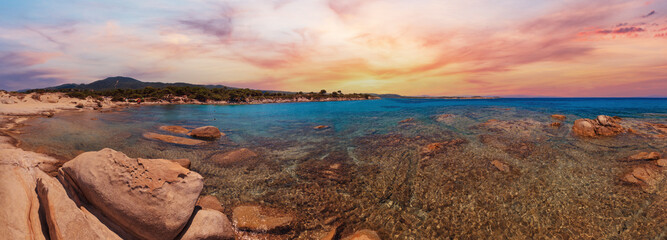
<point x="323" y="91"/>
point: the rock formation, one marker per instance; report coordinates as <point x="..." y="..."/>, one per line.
<point x="173" y="139"/>
<point x="207" y="133"/>
<point x="602" y="126"/>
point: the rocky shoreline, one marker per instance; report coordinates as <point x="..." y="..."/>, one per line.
<point x="107" y="195"/>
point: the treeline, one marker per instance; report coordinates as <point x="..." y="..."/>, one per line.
<point x="202" y="94"/>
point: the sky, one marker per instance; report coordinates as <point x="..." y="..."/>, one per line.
<point x="566" y="48"/>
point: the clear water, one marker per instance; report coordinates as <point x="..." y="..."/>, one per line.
<point x="366" y="170"/>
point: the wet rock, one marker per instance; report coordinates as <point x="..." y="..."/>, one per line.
<point x="260" y="219"/>
<point x="335" y="167"/>
<point x="439" y="147"/>
<point x="646" y="175"/>
<point x="364" y="234"/>
<point x="445" y="118"/>
<point x="602" y="126"/>
<point x="661" y="162"/>
<point x="407" y="120"/>
<point x="208" y="224"/>
<point x="559" y="117"/>
<point x="643" y="156"/>
<point x="210" y="202"/>
<point x="175" y="129"/>
<point x="233" y="157"/>
<point x="208" y="133"/>
<point x="184" y="162"/>
<point x="524" y="128"/>
<point x="148" y="198"/>
<point x="321" y="127"/>
<point x="555" y="124"/>
<point x="500" y="166"/>
<point x="519" y="148"/>
<point x="65" y="220"/>
<point x="331" y="234"/>
<point x="173" y="139"/>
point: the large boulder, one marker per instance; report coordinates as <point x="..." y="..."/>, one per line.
<point x="208" y="133"/>
<point x="19" y="217"/>
<point x="65" y="220"/>
<point x="173" y="139"/>
<point x="210" y="225"/>
<point x="602" y="126"/>
<point x="148" y="198"/>
<point x="260" y="219"/>
<point x="233" y="157"/>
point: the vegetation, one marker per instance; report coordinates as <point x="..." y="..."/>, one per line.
<point x="202" y="94"/>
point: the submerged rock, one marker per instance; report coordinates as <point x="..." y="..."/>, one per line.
<point x="321" y="127"/>
<point x="643" y="156"/>
<point x="149" y="198"/>
<point x="233" y="157"/>
<point x="438" y="147"/>
<point x="555" y="124"/>
<point x="173" y="139"/>
<point x="208" y="224"/>
<point x="260" y="219"/>
<point x="364" y="234"/>
<point x="661" y="162"/>
<point x="184" y="162"/>
<point x="208" y="133"/>
<point x="407" y="120"/>
<point x="210" y="202"/>
<point x="602" y="126"/>
<point x="175" y="129"/>
<point x="500" y="166"/>
<point x="445" y="118"/>
<point x="559" y="117"/>
<point x="647" y="176"/>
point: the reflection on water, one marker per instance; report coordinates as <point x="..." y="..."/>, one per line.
<point x="428" y="178"/>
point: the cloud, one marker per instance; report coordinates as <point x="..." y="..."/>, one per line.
<point x="220" y="25"/>
<point x="649" y="14"/>
<point x="17" y="71"/>
<point x="622" y="30"/>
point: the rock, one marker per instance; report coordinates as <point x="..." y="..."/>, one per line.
<point x="233" y="157"/>
<point x="523" y="128"/>
<point x="208" y="133"/>
<point x="559" y="117"/>
<point x="555" y="124"/>
<point x="407" y="120"/>
<point x="500" y="166"/>
<point x="661" y="162"/>
<point x="184" y="162"/>
<point x="175" y="129"/>
<point x="438" y="147"/>
<point x="602" y="126"/>
<point x="365" y="234"/>
<point x="19" y="217"/>
<point x="331" y="234"/>
<point x="260" y="219"/>
<point x="208" y="224"/>
<point x="320" y="127"/>
<point x="646" y="175"/>
<point x="643" y="156"/>
<point x="148" y="198"/>
<point x="445" y="118"/>
<point x="48" y="114"/>
<point x="173" y="139"/>
<point x="210" y="202"/>
<point x="65" y="220"/>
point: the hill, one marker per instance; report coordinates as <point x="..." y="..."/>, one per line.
<point x="120" y="82"/>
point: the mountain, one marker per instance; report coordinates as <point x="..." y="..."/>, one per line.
<point x="119" y="82"/>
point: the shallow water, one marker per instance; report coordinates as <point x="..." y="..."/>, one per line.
<point x="367" y="171"/>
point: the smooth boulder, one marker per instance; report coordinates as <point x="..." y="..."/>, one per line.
<point x="148" y="198"/>
<point x="260" y="219"/>
<point x="559" y="117"/>
<point x="602" y="126"/>
<point x="210" y="202"/>
<point x="19" y="217"/>
<point x="173" y="139"/>
<point x="210" y="225"/>
<point x="207" y="133"/>
<point x="175" y="129"/>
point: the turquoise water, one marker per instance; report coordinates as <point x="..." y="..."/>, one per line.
<point x="367" y="170"/>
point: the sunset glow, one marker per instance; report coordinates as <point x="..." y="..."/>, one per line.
<point x="506" y="48"/>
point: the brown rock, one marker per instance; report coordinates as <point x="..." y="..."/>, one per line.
<point x="321" y="127"/>
<point x="208" y="224"/>
<point x="208" y="133"/>
<point x="646" y="175"/>
<point x="555" y="124"/>
<point x="559" y="117"/>
<point x="331" y="234"/>
<point x="445" y="118"/>
<point x="149" y="198"/>
<point x="661" y="162"/>
<point x="233" y="157"/>
<point x="365" y="234"/>
<point x="602" y="126"/>
<point x="438" y="147"/>
<point x="65" y="220"/>
<point x="173" y="139"/>
<point x="19" y="217"/>
<point x="643" y="156"/>
<point x="210" y="202"/>
<point x="175" y="129"/>
<point x="407" y="120"/>
<point x="500" y="166"/>
<point x="260" y="219"/>
<point x="184" y="162"/>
